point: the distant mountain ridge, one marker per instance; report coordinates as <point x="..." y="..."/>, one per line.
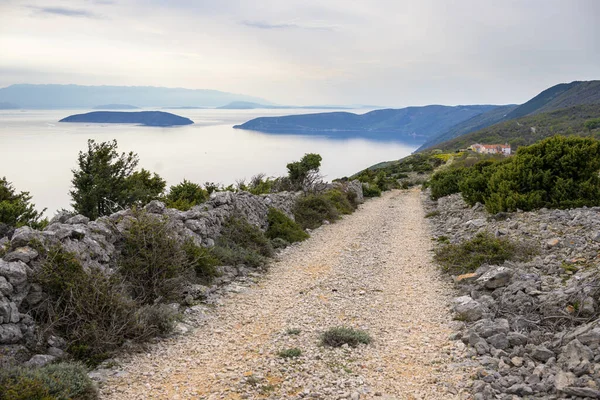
<point x="554" y="98"/>
<point x="147" y="118"/>
<point x="76" y="96"/>
<point x="116" y="107"/>
<point x="411" y="125"/>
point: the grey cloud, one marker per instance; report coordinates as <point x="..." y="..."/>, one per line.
<point x="65" y="12"/>
<point x="268" y="25"/>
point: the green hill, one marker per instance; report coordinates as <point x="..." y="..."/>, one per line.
<point x="560" y="96"/>
<point x="530" y="129"/>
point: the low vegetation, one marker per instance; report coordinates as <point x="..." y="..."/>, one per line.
<point x="52" y="382"/>
<point x="290" y="353"/>
<point x="283" y="227"/>
<point x="311" y="210"/>
<point x="92" y="310"/>
<point x="484" y="248"/>
<point x="558" y="172"/>
<point x="339" y="336"/>
<point x="16" y="209"/>
<point x="185" y="195"/>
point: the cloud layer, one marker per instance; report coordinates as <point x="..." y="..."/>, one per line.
<point x="307" y="51"/>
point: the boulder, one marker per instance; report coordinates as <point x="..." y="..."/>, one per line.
<point x="542" y="353"/>
<point x="468" y="309"/>
<point x="40" y="360"/>
<point x="495" y="277"/>
<point x="24" y="254"/>
<point x="575" y="357"/>
<point x="10" y="334"/>
<point x="14" y="272"/>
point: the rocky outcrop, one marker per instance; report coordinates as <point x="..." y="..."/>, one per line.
<point x="533" y="326"/>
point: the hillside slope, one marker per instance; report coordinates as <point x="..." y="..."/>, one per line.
<point x="411" y="124"/>
<point x="471" y="125"/>
<point x="554" y="98"/>
<point x="530" y="129"/>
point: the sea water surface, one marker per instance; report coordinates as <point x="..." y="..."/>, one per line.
<point x="37" y="153"/>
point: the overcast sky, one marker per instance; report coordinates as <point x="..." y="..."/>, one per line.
<point x="381" y="52"/>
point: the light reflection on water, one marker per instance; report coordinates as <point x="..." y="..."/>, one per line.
<point x="37" y="153"/>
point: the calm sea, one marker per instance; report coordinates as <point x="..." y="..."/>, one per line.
<point x="37" y="153"/>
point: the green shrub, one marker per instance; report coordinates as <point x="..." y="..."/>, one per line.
<point x="444" y="183"/>
<point x="91" y="309"/>
<point x="371" y="190"/>
<point x="260" y="185"/>
<point x="202" y="260"/>
<point x="185" y="195"/>
<point x="592" y="124"/>
<point x="310" y="211"/>
<point x="432" y="214"/>
<point x="51" y="382"/>
<point x="282" y="227"/>
<point x="474" y="184"/>
<point x="16" y="209"/>
<point x="233" y="254"/>
<point x="559" y="172"/>
<point x="290" y="353"/>
<point x="293" y="331"/>
<point x="237" y="231"/>
<point x="340" y="201"/>
<point x="336" y="337"/>
<point x="304" y="174"/>
<point x="484" y="248"/>
<point x="242" y="243"/>
<point x="152" y="260"/>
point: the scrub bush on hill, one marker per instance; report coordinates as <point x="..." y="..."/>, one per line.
<point x="559" y="172"/>
<point x="16" y="209"/>
<point x="242" y="243"/>
<point x="89" y="308"/>
<point x="340" y="201"/>
<point x="185" y="195"/>
<point x="444" y="183"/>
<point x="484" y="248"/>
<point x="51" y="382"/>
<point x="282" y="227"/>
<point x="371" y="190"/>
<point x="310" y="211"/>
<point x="153" y="261"/>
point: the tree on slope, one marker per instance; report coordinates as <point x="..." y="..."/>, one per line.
<point x="16" y="209"/>
<point x="106" y="181"/>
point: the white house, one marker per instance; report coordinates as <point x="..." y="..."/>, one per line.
<point x="491" y="148"/>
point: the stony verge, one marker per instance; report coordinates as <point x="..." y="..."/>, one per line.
<point x="533" y="327"/>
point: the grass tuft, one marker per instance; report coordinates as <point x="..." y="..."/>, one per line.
<point x="336" y="337"/>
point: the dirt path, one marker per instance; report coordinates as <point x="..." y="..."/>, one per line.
<point x="372" y="270"/>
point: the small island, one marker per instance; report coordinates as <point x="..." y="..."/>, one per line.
<point x="146" y="118"/>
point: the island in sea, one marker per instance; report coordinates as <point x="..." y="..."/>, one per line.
<point x="146" y="118"/>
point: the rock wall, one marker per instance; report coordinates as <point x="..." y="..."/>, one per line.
<point x="533" y="327"/>
<point x="93" y="242"/>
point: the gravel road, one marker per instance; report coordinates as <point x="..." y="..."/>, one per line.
<point x="371" y="270"/>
